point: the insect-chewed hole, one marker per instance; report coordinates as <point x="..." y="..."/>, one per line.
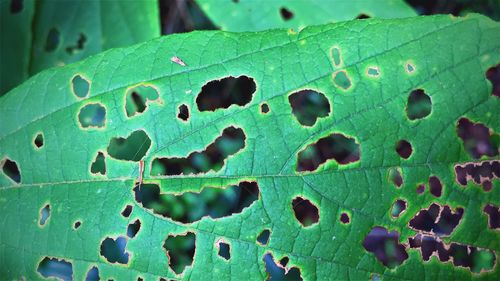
<point x="80" y="86"/>
<point x="263" y="237"/>
<point x="44" y="215"/>
<point x="113" y="250"/>
<point x="344" y="218"/>
<point x="183" y="113"/>
<point x="284" y="261"/>
<point x="98" y="166"/>
<point x="278" y="272"/>
<point x="385" y="246"/>
<point x="493" y="74"/>
<point x="395" y="176"/>
<point x="11" y="170"/>
<point x="127" y="211"/>
<point x="477" y="138"/>
<point x="373" y="71"/>
<point x="419" y="105"/>
<point x="133" y="228"/>
<point x="53" y="39"/>
<point x="420" y="188"/>
<point x="132" y="148"/>
<point x="55" y="268"/>
<point x="264" y="108"/>
<point x="343" y="149"/>
<point x="341" y="80"/>
<point x="436" y="219"/>
<point x="224" y="250"/>
<point x="38" y="140"/>
<point x="77" y="225"/>
<point x="180" y="250"/>
<point x="305" y="211"/>
<point x="286" y="14"/>
<point x="80" y="44"/>
<point x="16" y="6"/>
<point x="138" y="98"/>
<point x="398" y="208"/>
<point x="404" y="149"/>
<point x="308" y="106"/>
<point x="363" y="16"/>
<point x="336" y="56"/>
<point x="191" y="207"/>
<point x="92" y="115"/>
<point x="493" y="213"/>
<point x="212" y="158"/>
<point x="476" y="259"/>
<point x="218" y="94"/>
<point x="409" y="68"/>
<point x="93" y="274"/>
<point x="435" y="186"/>
<point x="483" y="173"/>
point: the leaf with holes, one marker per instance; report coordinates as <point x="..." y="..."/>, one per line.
<point x="365" y="149"/>
<point x="55" y="33"/>
<point x="255" y="15"/>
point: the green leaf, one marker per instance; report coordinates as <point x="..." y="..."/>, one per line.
<point x="55" y="33"/>
<point x="322" y="192"/>
<point x="258" y="15"/>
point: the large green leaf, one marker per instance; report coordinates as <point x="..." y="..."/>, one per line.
<point x="65" y="208"/>
<point x="257" y="15"/>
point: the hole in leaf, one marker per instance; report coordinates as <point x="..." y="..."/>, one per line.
<point x="80" y="86"/>
<point x="363" y="16"/>
<point x="477" y="139"/>
<point x="11" y="170"/>
<point x="224" y="250"/>
<point x="305" y="211"/>
<point x="133" y="228"/>
<point x="99" y="164"/>
<point x="44" y="214"/>
<point x="493" y="74"/>
<point x="183" y="112"/>
<point x="342" y="149"/>
<point x="493" y="213"/>
<point x="38" y="141"/>
<point x="16" y="6"/>
<point x="373" y="71"/>
<point x="284" y="261"/>
<point x="419" y="105"/>
<point x="385" y="246"/>
<point x="436" y="219"/>
<point x="344" y="218"/>
<point x="277" y="272"/>
<point x="77" y="224"/>
<point x="180" y="251"/>
<point x="308" y="106"/>
<point x="190" y="207"/>
<point x="342" y="80"/>
<point x="264" y="108"/>
<point x="286" y="14"/>
<point x="398" y="208"/>
<point x="132" y="148"/>
<point x="223" y="93"/>
<point x="138" y="98"/>
<point x="113" y="250"/>
<point x="336" y="57"/>
<point x="410" y="68"/>
<point x="420" y="188"/>
<point x="80" y="44"/>
<point x="92" y="115"/>
<point x="212" y="158"/>
<point x="395" y="177"/>
<point x="476" y="259"/>
<point x="127" y="211"/>
<point x="435" y="186"/>
<point x="404" y="149"/>
<point x="56" y="268"/>
<point x="263" y="237"/>
<point x="93" y="274"/>
<point x="53" y="38"/>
